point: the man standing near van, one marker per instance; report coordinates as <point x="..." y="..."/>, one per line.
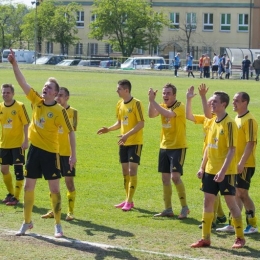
<point x="176" y="64"/>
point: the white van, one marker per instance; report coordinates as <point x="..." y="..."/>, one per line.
<point x="142" y="62"/>
<point x="24" y="56"/>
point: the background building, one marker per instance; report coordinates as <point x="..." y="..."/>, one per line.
<point x="196" y="26"/>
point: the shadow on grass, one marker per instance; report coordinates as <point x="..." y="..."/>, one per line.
<point x="150" y="214"/>
<point x="89" y="226"/>
<point x="100" y="252"/>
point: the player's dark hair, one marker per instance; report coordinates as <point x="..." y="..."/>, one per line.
<point x="244" y="96"/>
<point x="8" y="86"/>
<point x="170" y="85"/>
<point x="224" y="97"/>
<point x="125" y="84"/>
<point x="65" y="90"/>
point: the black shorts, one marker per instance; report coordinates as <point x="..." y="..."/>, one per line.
<point x="243" y="179"/>
<point x="12" y="156"/>
<point x="65" y="167"/>
<point x="40" y="162"/>
<point x="189" y="68"/>
<point x="130" y="153"/>
<point x="215" y="68"/>
<point x="171" y="160"/>
<point x="226" y="187"/>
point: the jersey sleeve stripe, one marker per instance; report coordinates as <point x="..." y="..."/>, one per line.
<point x="25" y="113"/>
<point x="230" y="134"/>
<point x="67" y="120"/>
<point x="139" y="109"/>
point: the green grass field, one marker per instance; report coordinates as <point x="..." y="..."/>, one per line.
<point x="135" y="234"/>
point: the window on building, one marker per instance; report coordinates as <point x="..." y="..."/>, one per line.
<point x="243" y="22"/>
<point x="80" y="19"/>
<point x="79" y="49"/>
<point x="225" y="24"/>
<point x="93" y="17"/>
<point x="93" y="48"/>
<point x="208" y="22"/>
<point x="175" y="21"/>
<point x="191" y="21"/>
<point x="49" y="47"/>
<point x="140" y="51"/>
<point x="108" y="48"/>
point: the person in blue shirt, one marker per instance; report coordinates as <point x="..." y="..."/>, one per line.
<point x="189" y="60"/>
<point x="176" y="64"/>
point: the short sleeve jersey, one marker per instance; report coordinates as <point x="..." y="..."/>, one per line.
<point x="247" y="132"/>
<point x="129" y="114"/>
<point x="189" y="60"/>
<point x="201" y="119"/>
<point x="176" y="60"/>
<point x="173" y="133"/>
<point x="45" y="123"/>
<point x="13" y="118"/>
<point x="221" y="136"/>
<point x="206" y="61"/>
<point x="64" y="141"/>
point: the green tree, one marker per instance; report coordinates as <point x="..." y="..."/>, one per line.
<point x="64" y="26"/>
<point x="11" y="19"/>
<point x="127" y="24"/>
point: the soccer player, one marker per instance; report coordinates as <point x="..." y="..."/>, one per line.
<point x="43" y="155"/>
<point x="14" y="141"/>
<point x="218" y="170"/>
<point x="64" y="147"/>
<point x="172" y="148"/>
<point x="219" y="215"/>
<point x="189" y="60"/>
<point x="247" y="136"/>
<point x="130" y="120"/>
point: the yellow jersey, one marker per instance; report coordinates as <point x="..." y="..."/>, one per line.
<point x="173" y="134"/>
<point x="129" y="114"/>
<point x="247" y="132"/>
<point x="13" y="118"/>
<point x="64" y="141"/>
<point x="46" y="120"/>
<point x="221" y="136"/>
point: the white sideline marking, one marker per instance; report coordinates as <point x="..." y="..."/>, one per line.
<point x="103" y="246"/>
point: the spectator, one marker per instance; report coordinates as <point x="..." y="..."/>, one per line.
<point x="215" y="66"/>
<point x="246" y="64"/>
<point x="201" y="64"/>
<point x="256" y="66"/>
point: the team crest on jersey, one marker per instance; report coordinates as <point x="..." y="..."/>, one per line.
<point x="50" y="115"/>
<point x="125" y="120"/>
<point x="130" y="110"/>
<point x="167" y="123"/>
<point x="60" y="130"/>
<point x="40" y="123"/>
<point x="221" y="132"/>
<point x="13" y="112"/>
<point x="9" y="123"/>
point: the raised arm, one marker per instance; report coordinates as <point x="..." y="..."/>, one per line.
<point x="18" y="74"/>
<point x="189" y="95"/>
<point x="206" y="108"/>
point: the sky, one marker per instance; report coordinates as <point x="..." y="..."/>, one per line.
<point x="26" y="2"/>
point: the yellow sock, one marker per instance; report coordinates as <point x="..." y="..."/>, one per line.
<point x="216" y="205"/>
<point x="18" y="188"/>
<point x="181" y="193"/>
<point x="8" y="181"/>
<point x="131" y="188"/>
<point x="252" y="221"/>
<point x="207" y="218"/>
<point x="28" y="206"/>
<point x="56" y="206"/>
<point x="71" y="195"/>
<point x="220" y="212"/>
<point x="167" y="196"/>
<point x="126" y="184"/>
<point x="238" y="225"/>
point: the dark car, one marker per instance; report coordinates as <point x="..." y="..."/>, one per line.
<point x="109" y="64"/>
<point x="68" y="62"/>
<point x="49" y="60"/>
<point x="90" y="63"/>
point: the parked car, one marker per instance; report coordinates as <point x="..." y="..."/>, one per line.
<point x="49" y="59"/>
<point x="67" y="62"/>
<point x="162" y="66"/>
<point x="91" y="63"/>
<point x="109" y="64"/>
